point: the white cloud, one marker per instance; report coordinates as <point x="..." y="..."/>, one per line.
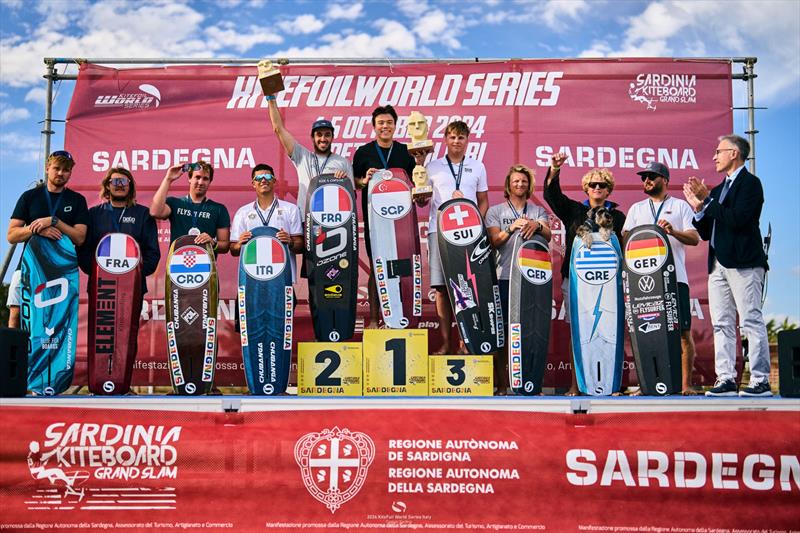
<point x="302" y="24"/>
<point x="22" y="148"/>
<point x="392" y="40"/>
<point x="241" y="39"/>
<point x="11" y="4"/>
<point x="558" y="13"/>
<point x="12" y="114"/>
<point x="37" y="95"/>
<point x="352" y="12"/>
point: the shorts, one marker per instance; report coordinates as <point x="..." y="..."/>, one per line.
<point x="15" y="289"/>
<point x="565" y="294"/>
<point x="684" y="307"/>
<point x="435" y="261"/>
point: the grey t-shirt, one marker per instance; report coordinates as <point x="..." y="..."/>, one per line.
<point x="309" y="165"/>
<point x="500" y="216"/>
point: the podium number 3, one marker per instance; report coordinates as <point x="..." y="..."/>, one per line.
<point x="458" y="376"/>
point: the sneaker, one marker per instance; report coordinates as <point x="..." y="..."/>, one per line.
<point x="760" y="388"/>
<point x="723" y="388"/>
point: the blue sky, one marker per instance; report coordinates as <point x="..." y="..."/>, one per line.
<point x="769" y="30"/>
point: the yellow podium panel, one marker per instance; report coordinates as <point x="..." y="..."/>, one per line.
<point x="329" y="369"/>
<point x="395" y="362"/>
<point x="461" y="375"/>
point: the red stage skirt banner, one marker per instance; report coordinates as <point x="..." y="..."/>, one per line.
<point x="701" y="472"/>
<point x="617" y="113"/>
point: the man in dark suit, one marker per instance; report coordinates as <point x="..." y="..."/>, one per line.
<point x="728" y="217"/>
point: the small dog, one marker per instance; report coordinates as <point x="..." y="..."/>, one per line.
<point x="597" y="220"/>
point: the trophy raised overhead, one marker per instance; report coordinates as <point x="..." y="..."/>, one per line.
<point x="420" y="144"/>
<point x="269" y="77"/>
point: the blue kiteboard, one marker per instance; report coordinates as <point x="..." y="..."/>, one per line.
<point x="597" y="314"/>
<point x="49" y="311"/>
<point x="266" y="310"/>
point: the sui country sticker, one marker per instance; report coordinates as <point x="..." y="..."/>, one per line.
<point x="461" y="224"/>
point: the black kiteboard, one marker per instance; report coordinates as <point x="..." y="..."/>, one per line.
<point x="650" y="285"/>
<point x="529" y="308"/>
<point x="470" y="276"/>
<point x="331" y="231"/>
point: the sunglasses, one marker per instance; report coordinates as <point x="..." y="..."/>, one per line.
<point x="651" y="177"/>
<point x="597" y="185"/>
<point x="61" y="153"/>
<point x="263" y="177"/>
<point x="119" y="182"/>
<point x="191" y="166"/>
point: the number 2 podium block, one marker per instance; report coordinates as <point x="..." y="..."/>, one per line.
<point x="461" y="375"/>
<point x="329" y="369"/>
<point x="395" y="362"/>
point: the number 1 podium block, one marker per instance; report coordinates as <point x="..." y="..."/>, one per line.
<point x="461" y="375"/>
<point x="329" y="369"/>
<point x="395" y="362"/>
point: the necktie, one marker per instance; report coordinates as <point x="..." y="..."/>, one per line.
<point x="723" y="194"/>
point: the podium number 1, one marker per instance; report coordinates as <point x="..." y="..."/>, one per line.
<point x="398" y="349"/>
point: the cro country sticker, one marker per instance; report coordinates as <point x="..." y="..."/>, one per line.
<point x="461" y="224"/>
<point x="334" y="464"/>
<point x="264" y="258"/>
<point x="391" y="199"/>
<point x="117" y="253"/>
<point x="596" y="265"/>
<point x="331" y="206"/>
<point x="645" y="252"/>
<point x="190" y="267"/>
<point x="534" y="263"/>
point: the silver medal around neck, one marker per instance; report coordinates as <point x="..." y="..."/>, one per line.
<point x="383" y="174"/>
<point x="194" y="232"/>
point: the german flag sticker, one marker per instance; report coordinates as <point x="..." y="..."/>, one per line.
<point x="534" y="263"/>
<point x="646" y="252"/>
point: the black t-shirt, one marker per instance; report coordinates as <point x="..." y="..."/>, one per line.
<point x="365" y="158"/>
<point x="70" y="206"/>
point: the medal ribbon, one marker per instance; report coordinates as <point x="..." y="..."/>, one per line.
<point x="457" y="178"/>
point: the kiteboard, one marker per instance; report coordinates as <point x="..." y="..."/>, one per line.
<point x="396" y="261"/>
<point x="470" y="276"/>
<point x="115" y="303"/>
<point x="529" y="308"/>
<point x="331" y="240"/>
<point x="191" y="302"/>
<point x="650" y="285"/>
<point x="596" y="312"/>
<point x="49" y="312"/>
<point x="266" y="311"/>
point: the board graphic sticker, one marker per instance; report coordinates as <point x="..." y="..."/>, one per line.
<point x="331" y="205"/>
<point x="266" y="312"/>
<point x="190" y="266"/>
<point x="529" y="308"/>
<point x="596" y="313"/>
<point x="462" y="224"/>
<point x="396" y="259"/>
<point x="115" y="304"/>
<point x="650" y="286"/>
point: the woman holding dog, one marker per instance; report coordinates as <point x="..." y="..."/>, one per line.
<point x="598" y="184"/>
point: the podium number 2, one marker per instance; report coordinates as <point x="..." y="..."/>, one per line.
<point x="334" y="360"/>
<point x="458" y="376"/>
<point x="398" y="349"/>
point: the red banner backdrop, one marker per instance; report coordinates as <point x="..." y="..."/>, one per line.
<point x="619" y="114"/>
<point x="69" y="468"/>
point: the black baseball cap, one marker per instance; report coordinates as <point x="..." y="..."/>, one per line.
<point x="322" y="124"/>
<point x="654" y="167"/>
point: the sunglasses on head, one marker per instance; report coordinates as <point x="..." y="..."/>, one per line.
<point x="597" y="185"/>
<point x="263" y="177"/>
<point x="61" y="153"/>
<point x="191" y="166"/>
<point x="651" y="177"/>
<point x="119" y="182"/>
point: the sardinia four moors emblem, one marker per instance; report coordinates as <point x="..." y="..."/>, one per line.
<point x="334" y="464"/>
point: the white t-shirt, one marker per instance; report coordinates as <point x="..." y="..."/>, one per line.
<point x="310" y="164"/>
<point x="286" y="216"/>
<point x="675" y="211"/>
<point x="473" y="181"/>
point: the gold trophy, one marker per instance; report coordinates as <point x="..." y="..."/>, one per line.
<point x="420" y="144"/>
<point x="269" y="77"/>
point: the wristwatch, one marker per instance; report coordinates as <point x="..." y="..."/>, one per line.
<point x="54" y="221"/>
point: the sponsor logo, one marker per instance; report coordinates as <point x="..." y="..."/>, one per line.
<point x="288" y="317"/>
<point x="529" y="386"/>
<point x="174" y="359"/>
<point x="515" y="354"/>
<point x="417" y="285"/>
<point x="646" y="284"/>
<point x="596" y="265"/>
<point x="460" y="223"/>
<point x="645" y="252"/>
<point x="534" y="263"/>
<point x="108" y="386"/>
<point x="486" y="347"/>
<point x="49" y="331"/>
<point x="190" y="267"/>
<point x="243" y="316"/>
<point x="333" y="336"/>
<point x="331" y="206"/>
<point x="344" y="263"/>
<point x="332" y="272"/>
<point x="149" y="96"/>
<point x="334" y="464"/>
<point x="333" y="292"/>
<point x="391" y="198"/>
<point x="501" y="335"/>
<point x="383" y="290"/>
<point x="189" y="315"/>
<point x="51" y="293"/>
<point x="661" y="388"/>
<point x="329" y="243"/>
<point x="77" y="465"/>
<point x="264" y="258"/>
<point x="649" y="316"/>
<point x="210" y="350"/>
<point x="650" y="89"/>
<point x="117" y="253"/>
<point x="648" y="327"/>
<point x="462" y="295"/>
<point x="480" y="251"/>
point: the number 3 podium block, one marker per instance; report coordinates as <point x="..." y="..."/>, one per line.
<point x="461" y="375"/>
<point x="329" y="369"/>
<point x="395" y="362"/>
